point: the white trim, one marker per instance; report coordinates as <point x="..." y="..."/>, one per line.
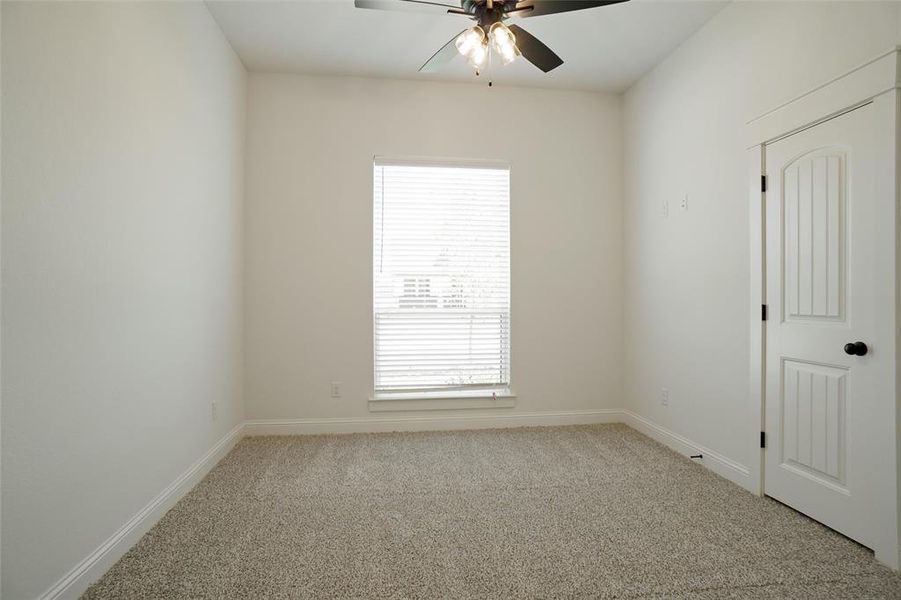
<point x="442" y="400"/>
<point x="757" y="372"/>
<point x="857" y="87"/>
<point x="430" y="422"/>
<point x="875" y="81"/>
<point x="433" y="161"/>
<point x="76" y="581"/>
<point x="853" y="88"/>
<point x="716" y="462"/>
<point x="89" y="570"/>
<point x="453" y="394"/>
<point x="725" y="467"/>
<point x="447" y="403"/>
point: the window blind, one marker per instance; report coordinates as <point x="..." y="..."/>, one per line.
<point x="441" y="276"/>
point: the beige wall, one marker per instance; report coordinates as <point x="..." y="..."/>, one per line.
<point x="687" y="275"/>
<point x="132" y="264"/>
<point x="121" y="265"/>
<point x="311" y="141"/>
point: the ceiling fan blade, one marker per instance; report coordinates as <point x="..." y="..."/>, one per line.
<point x="410" y="5"/>
<point x="442" y="57"/>
<point x="534" y="50"/>
<point x="536" y="8"/>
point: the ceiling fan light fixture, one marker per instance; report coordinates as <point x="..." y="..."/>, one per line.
<point x="478" y="55"/>
<point x="508" y="54"/>
<point x="470" y="40"/>
<point x="501" y="36"/>
<point x="504" y="42"/>
<point x="475" y="45"/>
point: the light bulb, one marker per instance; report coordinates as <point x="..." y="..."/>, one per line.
<point x="508" y="54"/>
<point x="469" y="40"/>
<point x="478" y="55"/>
<point x="501" y="36"/>
<point x="504" y="42"/>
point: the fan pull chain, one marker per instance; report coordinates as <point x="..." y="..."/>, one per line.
<point x="490" y="83"/>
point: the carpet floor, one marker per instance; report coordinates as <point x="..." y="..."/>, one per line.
<point x="552" y="512"/>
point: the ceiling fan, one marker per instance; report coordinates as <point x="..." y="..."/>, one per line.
<point x="490" y="32"/>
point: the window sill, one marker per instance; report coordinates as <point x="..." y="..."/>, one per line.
<point x="382" y="402"/>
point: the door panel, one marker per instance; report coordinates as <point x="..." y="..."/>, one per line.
<point x="829" y="415"/>
<point x="813" y="417"/>
<point x="814" y="221"/>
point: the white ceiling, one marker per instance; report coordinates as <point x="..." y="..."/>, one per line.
<point x="604" y="49"/>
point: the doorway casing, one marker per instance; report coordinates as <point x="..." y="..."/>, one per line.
<point x="877" y="81"/>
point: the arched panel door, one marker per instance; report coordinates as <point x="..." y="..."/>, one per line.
<point x="829" y="354"/>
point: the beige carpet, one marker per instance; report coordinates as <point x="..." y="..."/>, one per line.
<point x="559" y="512"/>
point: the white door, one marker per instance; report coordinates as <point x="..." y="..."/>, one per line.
<point x="830" y="413"/>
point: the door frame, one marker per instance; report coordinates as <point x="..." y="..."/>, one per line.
<point x="876" y="81"/>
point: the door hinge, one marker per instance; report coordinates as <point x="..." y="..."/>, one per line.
<point x="763" y="183"/>
<point x="763" y="439"/>
<point x="763" y="312"/>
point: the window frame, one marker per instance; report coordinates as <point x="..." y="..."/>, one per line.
<point x="487" y="396"/>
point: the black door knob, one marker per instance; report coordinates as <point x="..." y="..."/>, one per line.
<point x="856" y="348"/>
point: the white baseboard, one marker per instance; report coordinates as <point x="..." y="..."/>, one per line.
<point x="719" y="464"/>
<point x="723" y="466"/>
<point x="76" y="581"/>
<point x="429" y="422"/>
<point x="89" y="570"/>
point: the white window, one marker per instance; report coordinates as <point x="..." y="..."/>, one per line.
<point x="441" y="277"/>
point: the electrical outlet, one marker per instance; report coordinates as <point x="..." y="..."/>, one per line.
<point x="336" y="389"/>
<point x="664" y="209"/>
<point x="664" y="396"/>
<point x="684" y="204"/>
<point x="214" y="410"/>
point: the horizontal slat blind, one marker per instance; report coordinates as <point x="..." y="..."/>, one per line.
<point x="441" y="276"/>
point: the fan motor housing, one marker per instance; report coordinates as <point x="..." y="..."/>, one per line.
<point x="485" y="16"/>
